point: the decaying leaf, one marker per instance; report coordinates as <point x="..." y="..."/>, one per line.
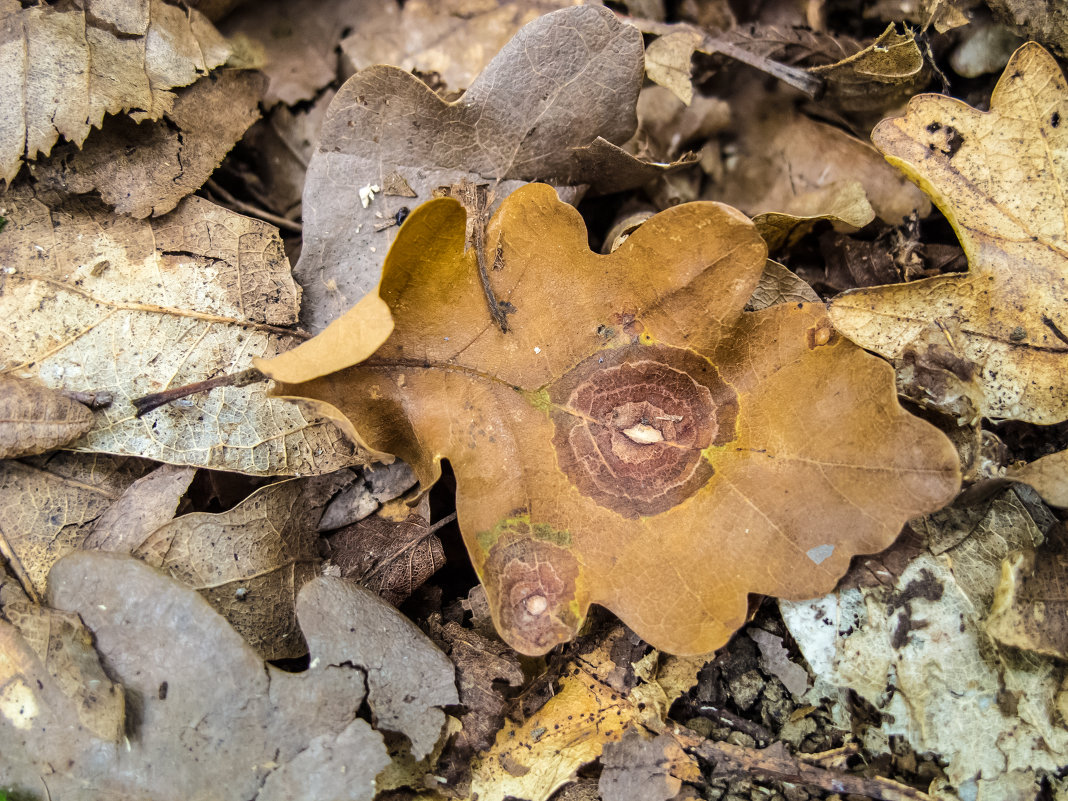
<point x="1048" y="475"/>
<point x="1043" y="20"/>
<point x="999" y="177"/>
<point x="145" y="506"/>
<point x="452" y="40"/>
<point x="386" y="128"/>
<point x="35" y="419"/>
<point x="790" y="164"/>
<point x="93" y="301"/>
<point x="146" y="169"/>
<point x="50" y="505"/>
<point x="408" y="678"/>
<point x="40" y="640"/>
<point x="637" y="769"/>
<point x="213" y="721"/>
<point x="250" y="562"/>
<point x="300" y="39"/>
<point x="915" y="649"/>
<point x="392" y="559"/>
<point x="1030" y="607"/>
<point x="631" y="432"/>
<point x="63" y="68"/>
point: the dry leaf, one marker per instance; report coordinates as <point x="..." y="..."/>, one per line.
<point x="1030" y="607"/>
<point x="146" y="505"/>
<point x="1048" y="475"/>
<point x="65" y="68"/>
<point x="844" y="203"/>
<point x="667" y="62"/>
<point x="93" y="301"/>
<point x="408" y="678"/>
<point x="300" y="39"/>
<point x="56" y="644"/>
<point x="250" y="562"/>
<point x="916" y="650"/>
<point x="35" y="419"/>
<point x="999" y="178"/>
<point x="789" y="163"/>
<point x="451" y="40"/>
<point x="637" y="769"/>
<point x="392" y="559"/>
<point x="778" y="285"/>
<point x="557" y="123"/>
<point x="1043" y="20"/>
<point x="50" y="505"/>
<point x="630" y="432"/>
<point x="145" y="169"/>
<point x="213" y="721"/>
<point x="533" y="759"/>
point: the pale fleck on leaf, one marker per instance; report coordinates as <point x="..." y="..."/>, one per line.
<point x="94" y="301"/>
<point x="35" y="419"/>
<point x="1000" y="179"/>
<point x="62" y="69"/>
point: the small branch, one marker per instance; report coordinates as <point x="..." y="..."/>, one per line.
<point x="94" y="400"/>
<point x="254" y="211"/>
<point x="803" y="80"/>
<point x="441" y="523"/>
<point x="775" y="763"/>
<point x="146" y="403"/>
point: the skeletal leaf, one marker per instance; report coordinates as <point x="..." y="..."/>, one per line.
<point x="1000" y="178"/>
<point x="632" y="437"/>
<point x="93" y="301"/>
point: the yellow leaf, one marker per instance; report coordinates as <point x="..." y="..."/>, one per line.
<point x="1000" y="177"/>
<point x="632" y="437"/>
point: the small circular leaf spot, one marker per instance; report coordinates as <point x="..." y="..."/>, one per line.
<point x="536" y="605"/>
<point x="644" y="434"/>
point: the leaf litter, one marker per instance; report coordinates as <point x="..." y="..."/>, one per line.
<point x="476" y="716"/>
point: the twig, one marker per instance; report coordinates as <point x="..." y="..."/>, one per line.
<point x="774" y="763"/>
<point x="146" y="403"/>
<point x="803" y="80"/>
<point x="255" y="211"/>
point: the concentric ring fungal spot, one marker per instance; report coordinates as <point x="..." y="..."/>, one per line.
<point x="630" y="424"/>
<point x="534" y="590"/>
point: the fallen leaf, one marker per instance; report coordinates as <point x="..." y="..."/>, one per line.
<point x="35" y="419"/>
<point x="998" y="177"/>
<point x="1030" y="606"/>
<point x="196" y="685"/>
<point x="667" y="62"/>
<point x="50" y="506"/>
<point x="775" y="660"/>
<point x="483" y="667"/>
<point x="94" y="301"/>
<point x="788" y="163"/>
<point x="1048" y="475"/>
<point x="844" y="203"/>
<point x="881" y="76"/>
<point x="533" y="759"/>
<point x="637" y="769"/>
<point x="408" y="678"/>
<point x="557" y="123"/>
<point x="147" y="168"/>
<point x="916" y="651"/>
<point x="392" y="559"/>
<point x="64" y="652"/>
<point x="452" y="40"/>
<point x="378" y="484"/>
<point x="143" y="507"/>
<point x="566" y="496"/>
<point x="250" y="562"/>
<point x="300" y="39"/>
<point x="1035" y="19"/>
<point x="65" y="68"/>
<point x="778" y="285"/>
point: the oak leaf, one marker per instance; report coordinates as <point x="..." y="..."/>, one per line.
<point x="633" y="438"/>
<point x="389" y="136"/>
<point x="35" y="419"/>
<point x="1000" y="178"/>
